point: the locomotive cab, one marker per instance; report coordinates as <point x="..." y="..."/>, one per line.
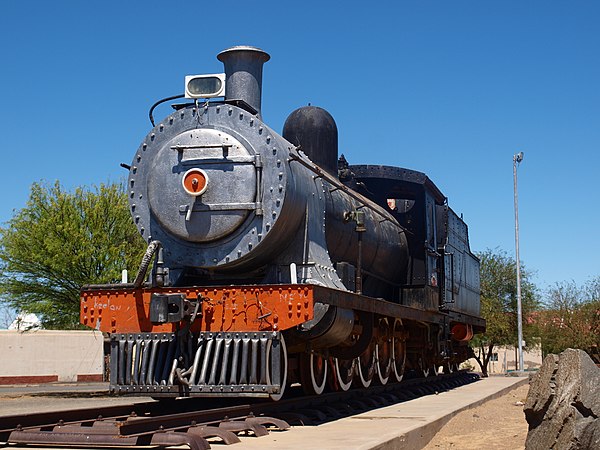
<point x="442" y="272"/>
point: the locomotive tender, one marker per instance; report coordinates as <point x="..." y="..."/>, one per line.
<point x="271" y="261"/>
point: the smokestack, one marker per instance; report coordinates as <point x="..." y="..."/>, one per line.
<point x="243" y="74"/>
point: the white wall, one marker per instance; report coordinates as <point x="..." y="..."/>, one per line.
<point x="506" y="359"/>
<point x="38" y="356"/>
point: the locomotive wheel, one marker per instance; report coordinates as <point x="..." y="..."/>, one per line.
<point x="427" y="369"/>
<point x="313" y="373"/>
<point x="343" y="373"/>
<point x="448" y="367"/>
<point x="433" y="370"/>
<point x="282" y="369"/>
<point x="383" y="358"/>
<point x="384" y="354"/>
<point x="398" y="352"/>
<point x="365" y="367"/>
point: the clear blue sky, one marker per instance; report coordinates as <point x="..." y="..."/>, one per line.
<point x="450" y="88"/>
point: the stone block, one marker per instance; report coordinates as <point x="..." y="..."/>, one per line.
<point x="563" y="404"/>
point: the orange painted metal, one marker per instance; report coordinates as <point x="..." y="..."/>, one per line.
<point x="194" y="181"/>
<point x="224" y="308"/>
<point x="462" y="332"/>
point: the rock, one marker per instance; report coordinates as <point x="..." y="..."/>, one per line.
<point x="563" y="403"/>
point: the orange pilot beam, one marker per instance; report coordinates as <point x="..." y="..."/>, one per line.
<point x="222" y="308"/>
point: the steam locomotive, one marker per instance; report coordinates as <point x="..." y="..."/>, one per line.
<point x="271" y="261"/>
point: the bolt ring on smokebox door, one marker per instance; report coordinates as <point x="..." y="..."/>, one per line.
<point x="259" y="208"/>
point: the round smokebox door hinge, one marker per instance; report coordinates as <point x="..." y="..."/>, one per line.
<point x="195" y="182"/>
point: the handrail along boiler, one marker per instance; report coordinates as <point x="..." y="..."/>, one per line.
<point x="273" y="261"/>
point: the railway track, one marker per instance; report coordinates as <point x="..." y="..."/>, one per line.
<point x="195" y="423"/>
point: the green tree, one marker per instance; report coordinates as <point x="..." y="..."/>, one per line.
<point x="571" y="318"/>
<point x="60" y="241"/>
<point x="499" y="305"/>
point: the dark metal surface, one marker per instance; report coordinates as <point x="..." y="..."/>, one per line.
<point x="243" y="73"/>
<point x="205" y="364"/>
<point x="442" y="271"/>
<point x="147" y="424"/>
<point x="61" y="438"/>
<point x="314" y="132"/>
<point x="380" y="306"/>
<point x="87" y="414"/>
<point x="169" y="308"/>
<point x="364" y="172"/>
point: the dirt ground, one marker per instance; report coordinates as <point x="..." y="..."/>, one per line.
<point x="496" y="424"/>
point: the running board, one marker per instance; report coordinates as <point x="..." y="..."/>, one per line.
<point x="201" y="364"/>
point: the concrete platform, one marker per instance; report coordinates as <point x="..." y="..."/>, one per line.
<point x="407" y="425"/>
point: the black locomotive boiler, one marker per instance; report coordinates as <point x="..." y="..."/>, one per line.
<point x="272" y="261"/>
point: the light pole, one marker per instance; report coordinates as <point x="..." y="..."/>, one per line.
<point x="516" y="160"/>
